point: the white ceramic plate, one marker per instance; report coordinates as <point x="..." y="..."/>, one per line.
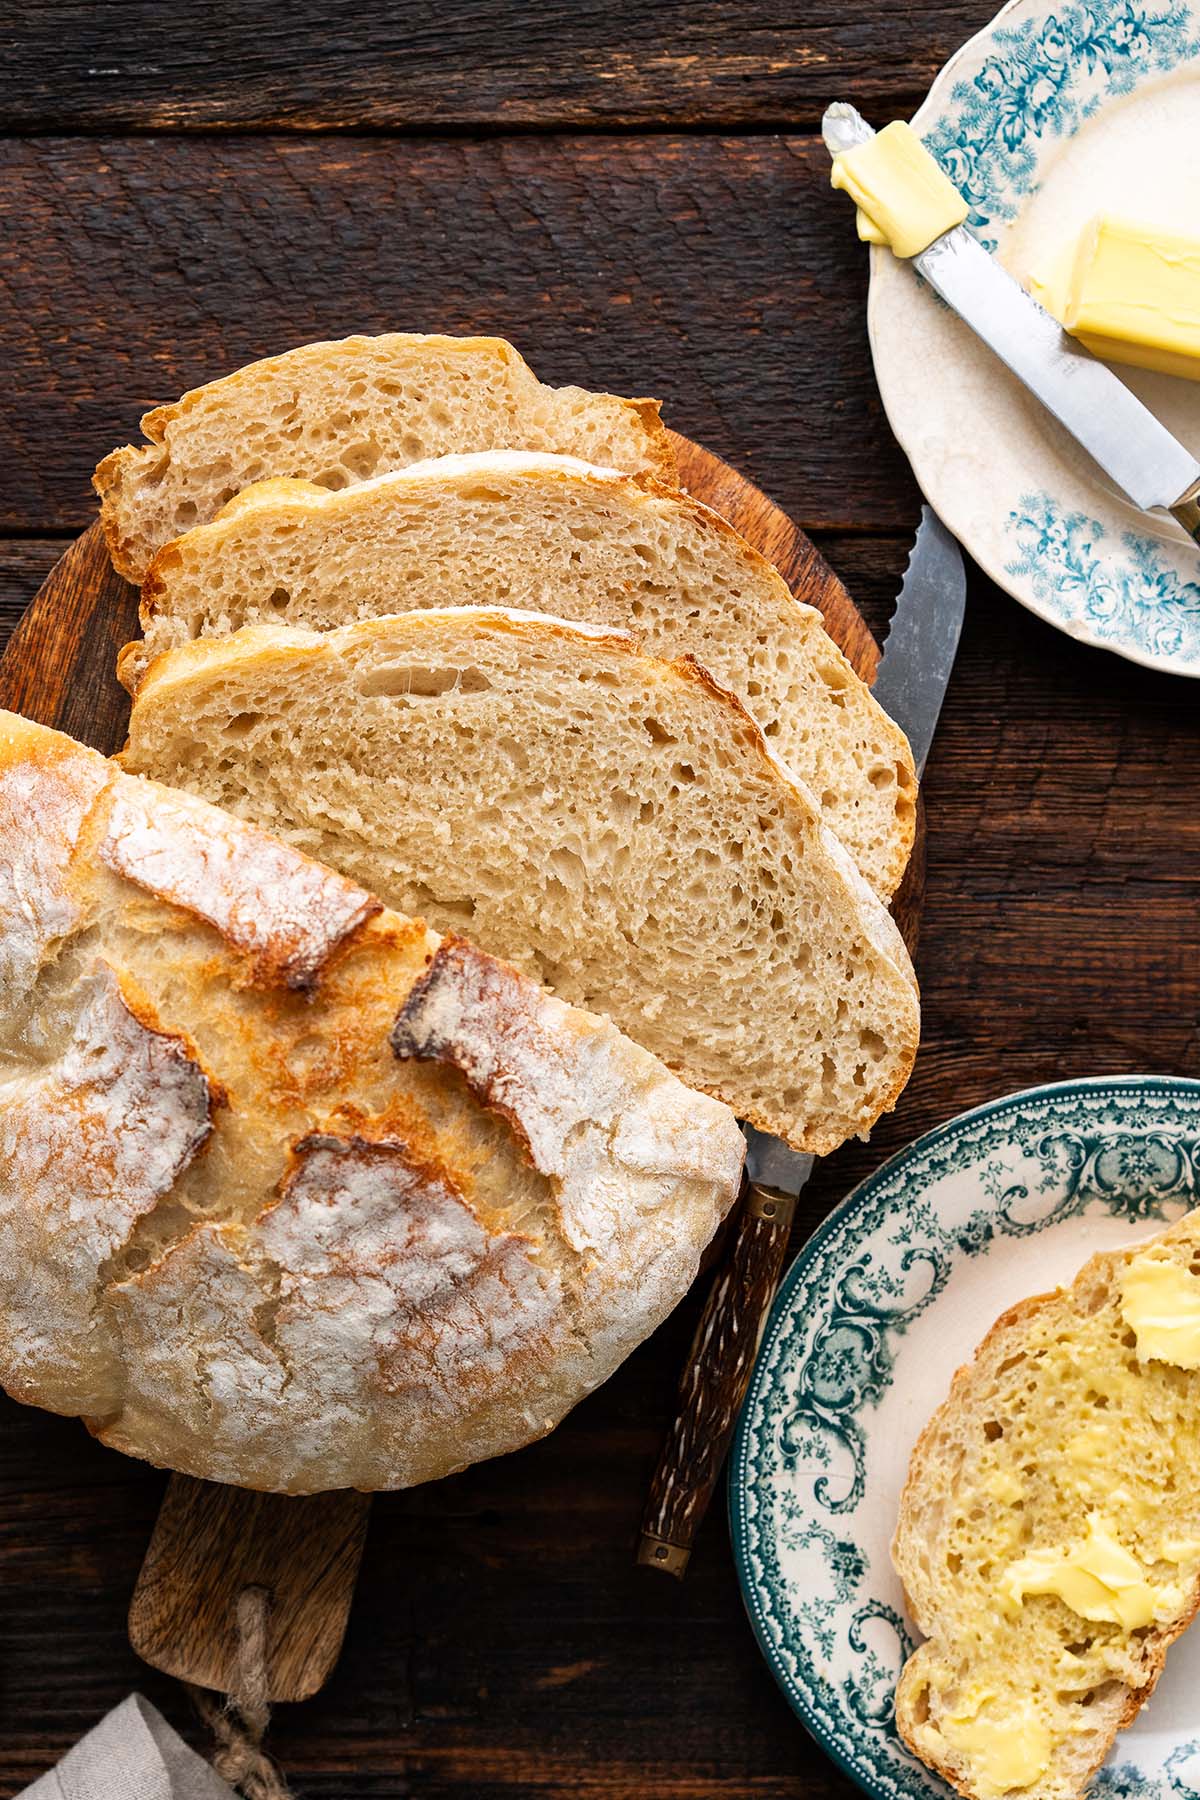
<point x="1053" y="113"/>
<point x="880" y="1307"/>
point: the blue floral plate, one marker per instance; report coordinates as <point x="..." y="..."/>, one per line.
<point x="1053" y="113"/>
<point x="880" y="1307"/>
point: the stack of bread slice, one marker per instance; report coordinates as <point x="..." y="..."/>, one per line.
<point x="458" y="635"/>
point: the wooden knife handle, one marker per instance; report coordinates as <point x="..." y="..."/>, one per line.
<point x="714" y="1380"/>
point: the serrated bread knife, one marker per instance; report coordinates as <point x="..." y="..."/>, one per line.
<point x="915" y="668"/>
<point x="1101" y="413"/>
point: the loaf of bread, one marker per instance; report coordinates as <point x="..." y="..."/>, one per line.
<point x="340" y="412"/>
<point x="611" y="822"/>
<point x="293" y="1193"/>
<point x="551" y="534"/>
<point x="1049" y="1536"/>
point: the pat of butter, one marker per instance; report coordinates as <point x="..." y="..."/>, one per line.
<point x="1002" y="1485"/>
<point x="1131" y="295"/>
<point x="1008" y="1749"/>
<point x="1098" y="1579"/>
<point x="1090" y="1446"/>
<point x="903" y="197"/>
<point x="1160" y="1299"/>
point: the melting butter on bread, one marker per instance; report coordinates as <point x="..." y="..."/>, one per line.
<point x="613" y="823"/>
<point x="339" y="412"/>
<point x="550" y="534"/>
<point x="1049" y="1534"/>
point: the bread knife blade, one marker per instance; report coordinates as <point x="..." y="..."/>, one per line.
<point x="911" y="682"/>
<point x="1104" y="416"/>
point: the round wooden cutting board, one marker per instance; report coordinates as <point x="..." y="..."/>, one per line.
<point x="212" y="1543"/>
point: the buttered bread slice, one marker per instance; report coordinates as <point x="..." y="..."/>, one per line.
<point x="552" y="534"/>
<point x="611" y="822"/>
<point x="1049" y="1535"/>
<point x="343" y="411"/>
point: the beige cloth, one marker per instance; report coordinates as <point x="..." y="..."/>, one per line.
<point x="132" y="1754"/>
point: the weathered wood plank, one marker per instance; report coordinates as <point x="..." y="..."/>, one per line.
<point x="24" y="565"/>
<point x="722" y="274"/>
<point x="132" y="65"/>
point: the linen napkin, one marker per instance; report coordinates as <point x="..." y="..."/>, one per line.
<point x="132" y="1754"/>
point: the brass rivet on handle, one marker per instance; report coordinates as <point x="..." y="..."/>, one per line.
<point x="656" y="1553"/>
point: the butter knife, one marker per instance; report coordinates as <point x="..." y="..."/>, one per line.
<point x="1101" y="413"/>
<point x="910" y="684"/>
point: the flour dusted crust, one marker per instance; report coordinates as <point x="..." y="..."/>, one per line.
<point x="294" y="1194"/>
<point x="285" y="915"/>
<point x="340" y="412"/>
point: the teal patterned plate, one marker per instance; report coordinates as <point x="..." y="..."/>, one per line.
<point x="880" y="1307"/>
<point x="1052" y="113"/>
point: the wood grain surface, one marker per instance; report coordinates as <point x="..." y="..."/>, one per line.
<point x="210" y="1543"/>
<point x="714" y="271"/>
<point x="133" y="64"/>
<point x="503" y="1645"/>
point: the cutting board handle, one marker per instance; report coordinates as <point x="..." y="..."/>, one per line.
<point x="212" y="1546"/>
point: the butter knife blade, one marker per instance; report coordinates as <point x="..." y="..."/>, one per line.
<point x="1104" y="416"/>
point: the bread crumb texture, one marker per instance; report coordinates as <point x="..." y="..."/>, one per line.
<point x="610" y="822"/>
<point x="550" y="534"/>
<point x="1049" y="1535"/>
<point x="292" y="1195"/>
<point x="340" y="412"/>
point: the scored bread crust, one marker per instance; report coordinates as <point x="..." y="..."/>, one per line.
<point x="547" y="533"/>
<point x="573" y="802"/>
<point x="293" y="1193"/>
<point x="928" y="1493"/>
<point x="338" y="412"/>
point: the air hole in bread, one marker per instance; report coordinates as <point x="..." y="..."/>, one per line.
<point x="412" y="681"/>
<point x="657" y="732"/>
<point x="482" y="495"/>
<point x="242" y="724"/>
<point x="362" y="459"/>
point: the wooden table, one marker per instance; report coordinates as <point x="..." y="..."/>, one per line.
<point x="637" y="197"/>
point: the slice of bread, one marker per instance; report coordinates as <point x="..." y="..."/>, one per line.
<point x="550" y="534"/>
<point x="611" y="822"/>
<point x="1071" y="1442"/>
<point x="339" y="412"/>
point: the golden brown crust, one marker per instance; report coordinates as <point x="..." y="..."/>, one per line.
<point x="302" y="1262"/>
<point x="286" y="916"/>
